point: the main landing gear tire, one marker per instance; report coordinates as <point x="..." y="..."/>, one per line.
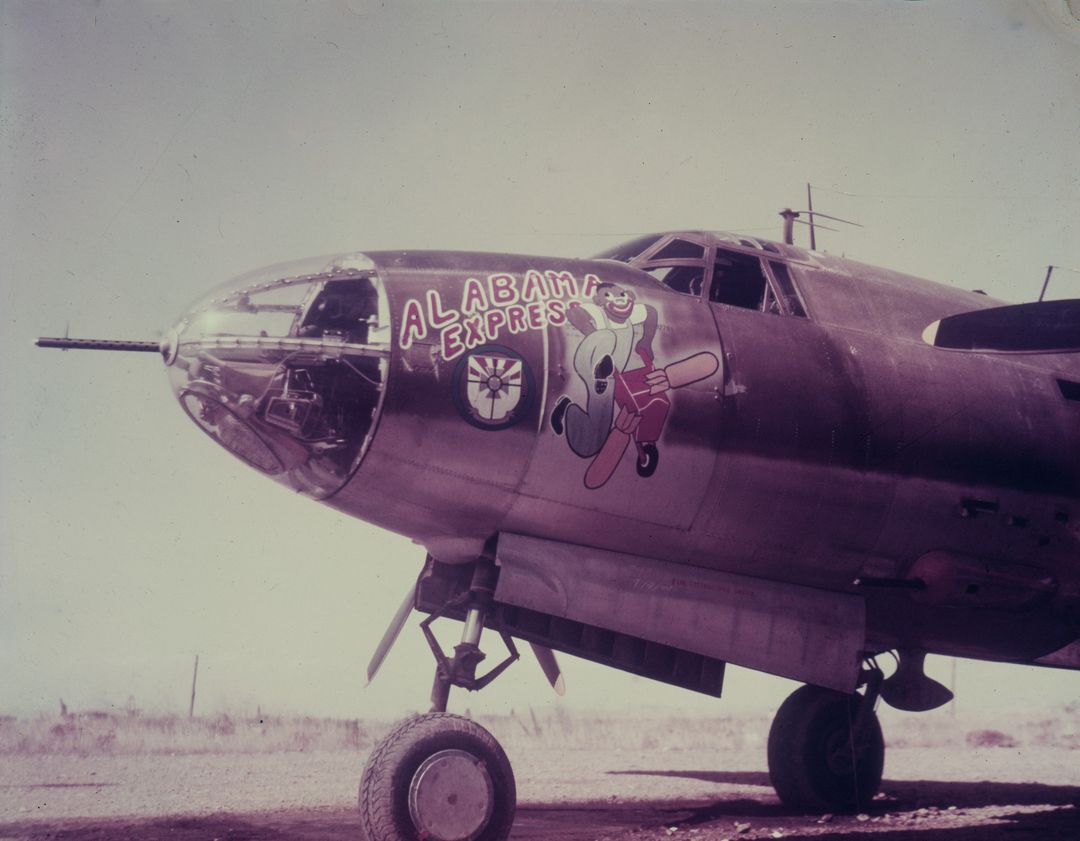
<point x="815" y="761"/>
<point x="437" y="777"/>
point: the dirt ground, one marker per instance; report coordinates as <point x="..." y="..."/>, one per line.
<point x="929" y="793"/>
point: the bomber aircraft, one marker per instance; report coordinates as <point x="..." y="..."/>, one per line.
<point x="694" y="449"/>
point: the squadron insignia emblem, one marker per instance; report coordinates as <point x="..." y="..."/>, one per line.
<point x="493" y="387"/>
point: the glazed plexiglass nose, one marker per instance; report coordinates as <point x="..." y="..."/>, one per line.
<point x="286" y="368"/>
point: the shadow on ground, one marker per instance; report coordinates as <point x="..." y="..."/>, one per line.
<point x="893" y="818"/>
<point x="919" y="809"/>
<point x="907" y="794"/>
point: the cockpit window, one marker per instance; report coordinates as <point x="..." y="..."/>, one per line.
<point x="680" y="249"/>
<point x="685" y="279"/>
<point x="626" y="251"/>
<point x="787" y="288"/>
<point x="738" y="281"/>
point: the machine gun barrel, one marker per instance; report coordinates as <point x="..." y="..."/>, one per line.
<point x="99" y="344"/>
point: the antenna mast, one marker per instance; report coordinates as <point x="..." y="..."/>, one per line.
<point x="792" y="216"/>
<point x="1049" y="271"/>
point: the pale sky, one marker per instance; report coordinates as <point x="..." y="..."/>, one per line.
<point x="151" y="150"/>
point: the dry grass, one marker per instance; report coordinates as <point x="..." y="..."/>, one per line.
<point x="97" y="733"/>
<point x="109" y="733"/>
<point x="1057" y="728"/>
<point x="628" y="731"/>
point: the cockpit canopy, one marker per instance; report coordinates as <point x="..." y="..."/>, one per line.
<point x="736" y="271"/>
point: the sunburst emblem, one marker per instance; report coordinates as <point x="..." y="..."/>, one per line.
<point x="492" y="387"/>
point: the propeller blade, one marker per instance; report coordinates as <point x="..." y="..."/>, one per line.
<point x="391" y="634"/>
<point x="546" y="658"/>
<point x="1041" y="327"/>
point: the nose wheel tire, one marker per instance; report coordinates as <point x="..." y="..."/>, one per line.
<point x="437" y="777"/>
<point x="817" y="762"/>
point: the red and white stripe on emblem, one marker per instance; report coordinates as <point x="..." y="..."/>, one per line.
<point x="494" y="386"/>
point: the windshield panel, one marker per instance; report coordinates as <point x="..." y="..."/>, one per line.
<point x="626" y="251"/>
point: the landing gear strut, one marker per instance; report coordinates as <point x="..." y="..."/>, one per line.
<point x="460" y="670"/>
<point x="826" y="751"/>
<point x="440" y="776"/>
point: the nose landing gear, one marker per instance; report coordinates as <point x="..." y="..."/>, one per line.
<point x="441" y="777"/>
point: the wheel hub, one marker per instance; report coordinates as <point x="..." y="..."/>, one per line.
<point x="451" y="796"/>
<point x="838" y="753"/>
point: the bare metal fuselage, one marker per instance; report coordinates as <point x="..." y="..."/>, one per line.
<point x="815" y="451"/>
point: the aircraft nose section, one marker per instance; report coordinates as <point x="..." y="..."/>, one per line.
<point x="286" y="368"/>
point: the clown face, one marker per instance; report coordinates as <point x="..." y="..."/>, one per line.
<point x="617" y="302"/>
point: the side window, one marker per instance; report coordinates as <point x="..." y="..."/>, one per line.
<point x="787" y="288"/>
<point x="739" y="281"/>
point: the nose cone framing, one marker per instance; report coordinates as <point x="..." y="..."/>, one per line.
<point x="286" y="368"/>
